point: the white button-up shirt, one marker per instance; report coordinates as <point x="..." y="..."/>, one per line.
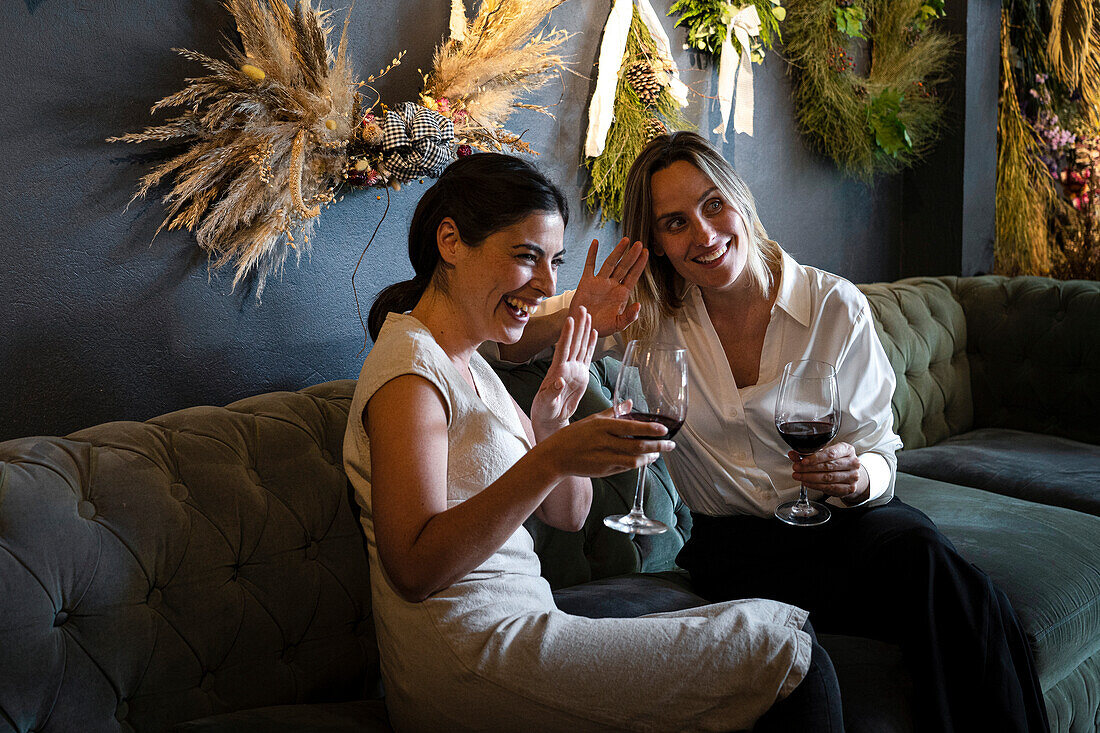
<point x="729" y="457"/>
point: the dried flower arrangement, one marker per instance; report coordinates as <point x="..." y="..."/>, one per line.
<point x="271" y="133"/>
<point x="1048" y="147"/>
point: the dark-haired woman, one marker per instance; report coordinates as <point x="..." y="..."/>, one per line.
<point x="716" y="284"/>
<point x="446" y="468"/>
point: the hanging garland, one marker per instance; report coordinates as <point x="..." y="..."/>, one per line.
<point x="755" y="29"/>
<point x="1048" y="140"/>
<point x="890" y="118"/>
<point x="271" y="134"/>
<point x="638" y="96"/>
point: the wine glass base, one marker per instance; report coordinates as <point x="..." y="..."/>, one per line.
<point x="635" y="524"/>
<point x="803" y="515"/>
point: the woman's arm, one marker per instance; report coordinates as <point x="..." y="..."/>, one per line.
<point x="566" y="506"/>
<point x="425" y="546"/>
<point x="605" y="294"/>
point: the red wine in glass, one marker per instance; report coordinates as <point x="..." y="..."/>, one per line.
<point x="807" y="436"/>
<point x="807" y="416"/>
<point x="653" y="378"/>
<point x="671" y="423"/>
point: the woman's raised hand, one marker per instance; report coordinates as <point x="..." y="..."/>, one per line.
<point x="606" y="294"/>
<point x="567" y="379"/>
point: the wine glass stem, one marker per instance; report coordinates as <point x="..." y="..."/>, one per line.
<point x="638" y="509"/>
<point x="803" y="499"/>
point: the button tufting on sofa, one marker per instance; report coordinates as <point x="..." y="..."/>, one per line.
<point x="85" y="509"/>
<point x="312" y="550"/>
<point x="178" y="491"/>
<point x="254" y="476"/>
<point x="60" y="618"/>
<point x="122" y="711"/>
<point x="154" y="598"/>
<point x="206" y="684"/>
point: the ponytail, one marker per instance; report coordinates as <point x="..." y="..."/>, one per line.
<point x="400" y="297"/>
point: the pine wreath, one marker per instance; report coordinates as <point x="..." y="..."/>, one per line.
<point x="882" y="122"/>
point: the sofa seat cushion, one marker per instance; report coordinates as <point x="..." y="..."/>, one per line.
<point x="1042" y="468"/>
<point x="1046" y="558"/>
<point x="363" y="716"/>
<point x="629" y="596"/>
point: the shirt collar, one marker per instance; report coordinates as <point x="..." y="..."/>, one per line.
<point x="794" y="290"/>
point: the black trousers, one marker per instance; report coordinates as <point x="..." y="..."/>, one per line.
<point x="886" y="573"/>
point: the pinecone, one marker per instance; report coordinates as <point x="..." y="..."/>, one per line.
<point x="653" y="128"/>
<point x="643" y="79"/>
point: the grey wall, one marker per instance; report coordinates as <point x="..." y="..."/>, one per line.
<point x="99" y="321"/>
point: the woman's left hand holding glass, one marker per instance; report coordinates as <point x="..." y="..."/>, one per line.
<point x="567" y="379"/>
<point x="834" y="471"/>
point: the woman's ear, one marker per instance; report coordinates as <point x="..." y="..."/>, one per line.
<point x="448" y="240"/>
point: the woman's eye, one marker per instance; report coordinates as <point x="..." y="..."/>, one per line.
<point x="528" y="258"/>
<point x="714" y="205"/>
<point x="557" y="263"/>
<point x="674" y="224"/>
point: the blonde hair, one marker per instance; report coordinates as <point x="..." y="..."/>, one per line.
<point x="660" y="290"/>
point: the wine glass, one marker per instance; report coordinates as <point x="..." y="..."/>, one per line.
<point x="654" y="378"/>
<point x="807" y="416"/>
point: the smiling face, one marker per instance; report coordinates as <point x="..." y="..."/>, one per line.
<point x="496" y="283"/>
<point x="701" y="232"/>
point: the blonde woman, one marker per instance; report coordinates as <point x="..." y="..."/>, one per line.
<point x="705" y="275"/>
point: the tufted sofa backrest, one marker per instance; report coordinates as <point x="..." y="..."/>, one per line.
<point x="1034" y="349"/>
<point x="923" y="330"/>
<point x="204" y="561"/>
<point x="597" y="552"/>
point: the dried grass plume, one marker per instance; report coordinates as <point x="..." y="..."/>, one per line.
<point x="264" y="135"/>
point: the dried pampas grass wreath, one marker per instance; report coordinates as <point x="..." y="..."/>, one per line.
<point x="272" y="132"/>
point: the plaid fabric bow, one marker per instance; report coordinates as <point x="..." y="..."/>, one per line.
<point x="416" y="141"/>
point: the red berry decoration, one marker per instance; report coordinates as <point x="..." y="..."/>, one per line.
<point x="465" y="151"/>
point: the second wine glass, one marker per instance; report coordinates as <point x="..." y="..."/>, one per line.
<point x="654" y="378"/>
<point x="807" y="416"/>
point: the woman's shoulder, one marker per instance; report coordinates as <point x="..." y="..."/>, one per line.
<point x="402" y="339"/>
<point x="833" y="296"/>
<point x="404" y="346"/>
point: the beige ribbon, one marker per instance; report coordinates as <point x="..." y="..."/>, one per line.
<point x="601" y="111"/>
<point x="458" y="21"/>
<point x="745" y="23"/>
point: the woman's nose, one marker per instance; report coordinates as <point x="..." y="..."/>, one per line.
<point x="545" y="280"/>
<point x="703" y="230"/>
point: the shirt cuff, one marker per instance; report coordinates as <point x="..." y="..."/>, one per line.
<point x="878" y="475"/>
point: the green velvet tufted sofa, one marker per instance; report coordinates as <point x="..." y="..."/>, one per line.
<point x="204" y="571"/>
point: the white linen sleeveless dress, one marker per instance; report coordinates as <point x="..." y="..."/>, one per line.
<point x="493" y="653"/>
